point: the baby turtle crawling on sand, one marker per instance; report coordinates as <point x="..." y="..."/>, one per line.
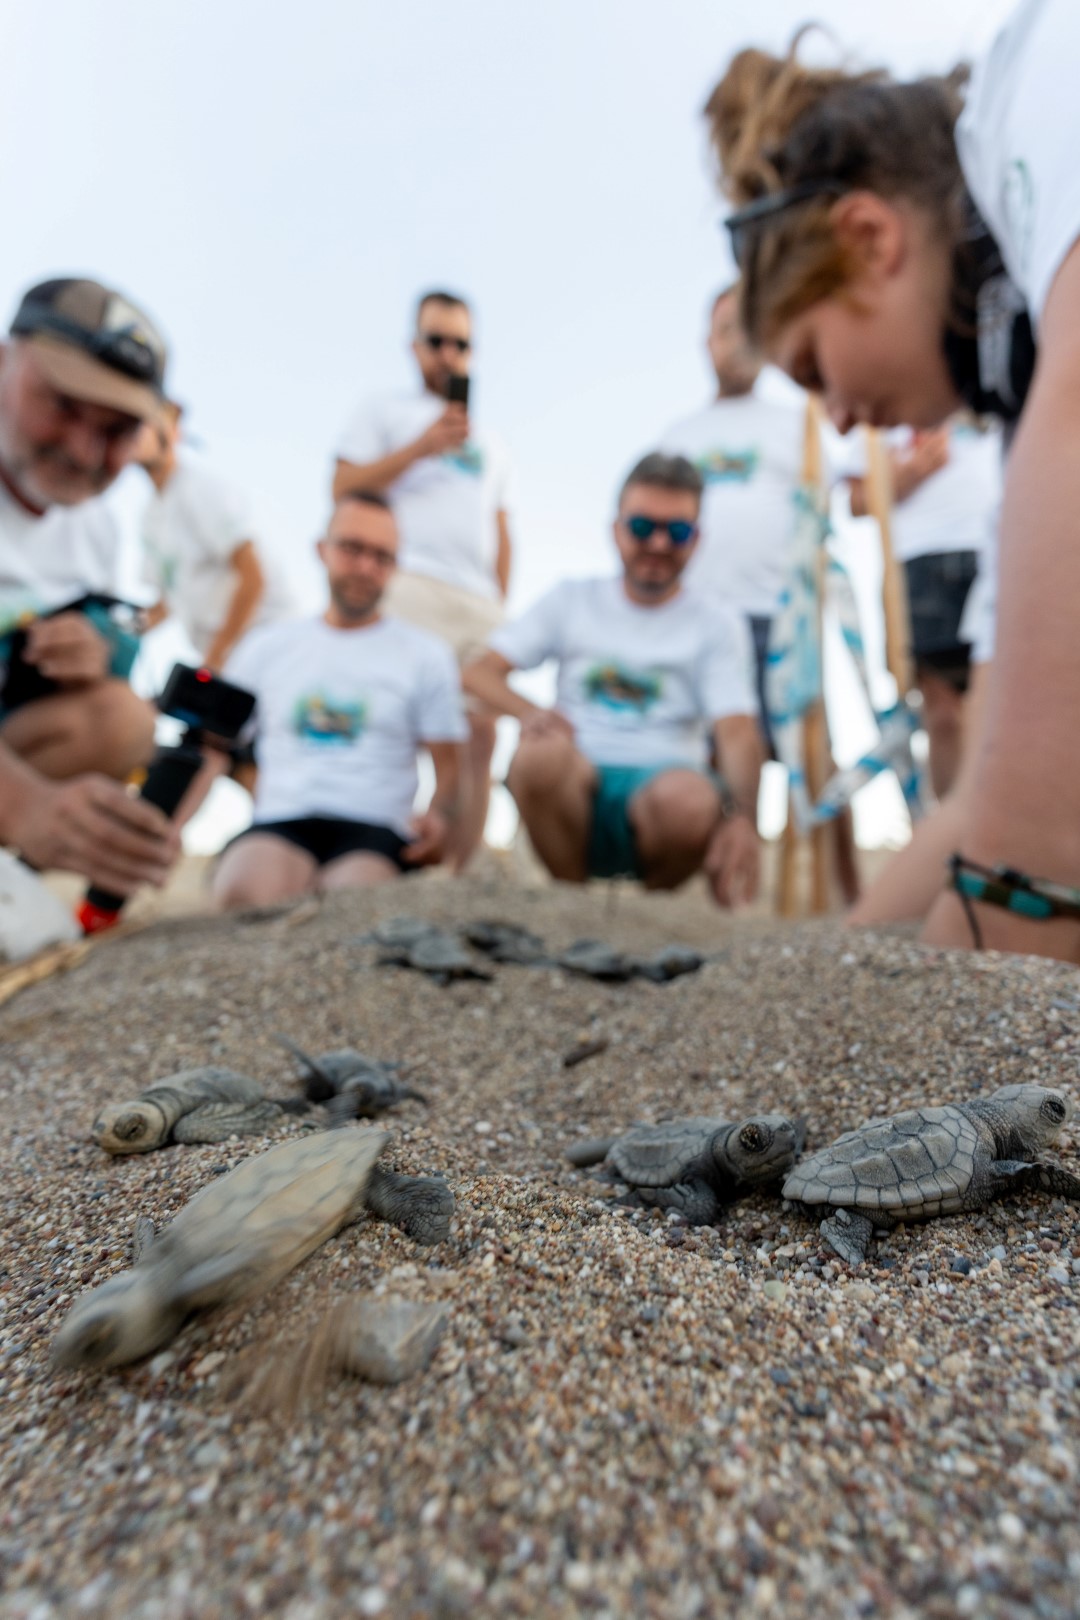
<point x="599" y="961"/>
<point x="409" y="942"/>
<point x="932" y="1161"/>
<point x="507" y="942"/>
<point x="242" y="1234"/>
<point x="351" y="1085"/>
<point x="697" y="1166"/>
<point x="196" y="1105"/>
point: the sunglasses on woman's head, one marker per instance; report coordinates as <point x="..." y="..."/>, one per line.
<point x="437" y="341"/>
<point x="772" y="203"/>
<point x="641" y="529"/>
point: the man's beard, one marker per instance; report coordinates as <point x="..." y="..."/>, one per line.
<point x="654" y="584"/>
<point x="51" y="478"/>
<point x="353" y="608"/>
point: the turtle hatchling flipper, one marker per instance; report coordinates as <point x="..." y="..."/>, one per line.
<point x="695" y="1201"/>
<point x="849" y="1233"/>
<point x="1052" y="1178"/>
<point x="142" y="1238"/>
<point x="215" y="1121"/>
<point x="421" y="1206"/>
<point x="318" y="1086"/>
<point x="592" y="1151"/>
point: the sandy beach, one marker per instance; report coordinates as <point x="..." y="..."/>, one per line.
<point x="625" y="1417"/>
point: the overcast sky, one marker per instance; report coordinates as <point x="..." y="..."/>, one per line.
<point x="276" y="183"/>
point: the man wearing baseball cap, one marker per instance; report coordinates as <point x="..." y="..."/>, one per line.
<point x="80" y="372"/>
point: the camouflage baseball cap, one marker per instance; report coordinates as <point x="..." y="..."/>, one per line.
<point x="95" y="345"/>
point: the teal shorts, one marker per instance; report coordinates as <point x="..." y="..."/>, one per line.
<point x="612" y="850"/>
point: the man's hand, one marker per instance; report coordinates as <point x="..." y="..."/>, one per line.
<point x="545" y="723"/>
<point x="448" y="432"/>
<point x="431" y="834"/>
<point x="733" y="862"/>
<point x="67" y="649"/>
<point x="92" y="826"/>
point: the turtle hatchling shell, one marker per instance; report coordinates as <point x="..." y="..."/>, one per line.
<point x="279" y="1205"/>
<point x="659" y="1155"/>
<point x="924" y="1156"/>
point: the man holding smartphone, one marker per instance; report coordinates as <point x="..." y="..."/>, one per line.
<point x="80" y="373"/>
<point x="449" y="486"/>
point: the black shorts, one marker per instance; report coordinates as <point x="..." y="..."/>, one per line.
<point x="327" y="838"/>
<point x="937" y="589"/>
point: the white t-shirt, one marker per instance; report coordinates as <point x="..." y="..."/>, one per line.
<point x="750" y="453"/>
<point x="189" y="532"/>
<point x="341" y="714"/>
<point x="445" y="505"/>
<point x="47" y="561"/>
<point x="1018" y="138"/>
<point x="639" y="685"/>
<point x="955" y="508"/>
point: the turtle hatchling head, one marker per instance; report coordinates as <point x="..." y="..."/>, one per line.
<point x="1035" y="1113"/>
<point x="123" y="1320"/>
<point x="131" y="1127"/>
<point x="762" y="1148"/>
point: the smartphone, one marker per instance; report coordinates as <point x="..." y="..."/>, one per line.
<point x="457" y="391"/>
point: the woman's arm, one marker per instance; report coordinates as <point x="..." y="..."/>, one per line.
<point x="1023" y="807"/>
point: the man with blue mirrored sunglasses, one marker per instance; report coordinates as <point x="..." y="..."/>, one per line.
<point x="613" y="781"/>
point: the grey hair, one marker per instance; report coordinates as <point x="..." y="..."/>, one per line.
<point x="662" y="471"/>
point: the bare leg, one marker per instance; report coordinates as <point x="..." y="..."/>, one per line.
<point x="916" y="875"/>
<point x="260" y="869"/>
<point x="104" y="728"/>
<point x="943" y="716"/>
<point x="476" y="789"/>
<point x="552" y="786"/>
<point x="360" y="870"/>
<point x="673" y="817"/>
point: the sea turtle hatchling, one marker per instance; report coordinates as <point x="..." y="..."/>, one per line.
<point x="352" y="1085"/>
<point x="195" y="1105"/>
<point x="241" y="1234"/>
<point x="696" y="1166"/>
<point x="932" y="1161"/>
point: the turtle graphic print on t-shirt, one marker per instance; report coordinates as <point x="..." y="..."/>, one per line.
<point x="319" y="719"/>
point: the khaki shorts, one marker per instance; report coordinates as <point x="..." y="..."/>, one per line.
<point x="459" y="617"/>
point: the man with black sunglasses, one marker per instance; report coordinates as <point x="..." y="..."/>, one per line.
<point x="614" y="780"/>
<point x="449" y="485"/>
<point x="81" y="372"/>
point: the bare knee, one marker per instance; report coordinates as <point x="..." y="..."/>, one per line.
<point x="122" y="726"/>
<point x="676" y="810"/>
<point x="542" y="766"/>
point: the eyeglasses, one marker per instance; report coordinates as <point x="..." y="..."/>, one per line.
<point x="773" y="203"/>
<point x="438" y="340"/>
<point x="359" y="550"/>
<point x="641" y="529"/>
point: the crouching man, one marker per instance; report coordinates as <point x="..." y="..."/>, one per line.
<point x="614" y="780"/>
<point x="343" y="703"/>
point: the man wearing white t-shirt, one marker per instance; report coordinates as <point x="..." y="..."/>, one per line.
<point x="449" y="486"/>
<point x="198" y="550"/>
<point x="343" y="703"/>
<point x="946" y="490"/>
<point x="614" y="781"/>
<point x="748" y="448"/>
<point x="82" y="370"/>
